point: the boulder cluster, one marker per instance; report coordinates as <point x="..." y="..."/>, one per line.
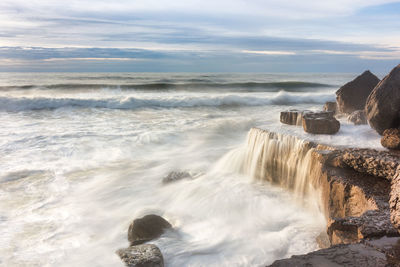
<point x="364" y="100"/>
<point x="140" y="231"/>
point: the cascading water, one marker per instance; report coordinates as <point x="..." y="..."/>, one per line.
<point x="281" y="159"/>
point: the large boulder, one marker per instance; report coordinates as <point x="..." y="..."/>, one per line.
<point x="147" y="228"/>
<point x="146" y="255"/>
<point x="383" y="104"/>
<point x="353" y="95"/>
<point x="391" y="139"/>
<point x="320" y="123"/>
<point x="357" y="117"/>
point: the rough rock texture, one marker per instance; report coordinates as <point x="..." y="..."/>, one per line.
<point x="368" y="253"/>
<point x="330" y="106"/>
<point x="391" y="139"/>
<point x="320" y="123"/>
<point x="395" y="200"/>
<point x="146" y="255"/>
<point x="176" y="176"/>
<point x="353" y="229"/>
<point x="147" y="228"/>
<point x="353" y="95"/>
<point x="370" y="161"/>
<point x="383" y="104"/>
<point x="357" y="117"/>
<point x="291" y="117"/>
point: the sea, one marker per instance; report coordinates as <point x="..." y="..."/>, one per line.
<point x="83" y="154"/>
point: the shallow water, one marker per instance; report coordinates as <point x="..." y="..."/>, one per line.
<point x="82" y="155"/>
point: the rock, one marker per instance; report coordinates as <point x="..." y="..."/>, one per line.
<point x="291" y="117"/>
<point x="377" y="163"/>
<point x="176" y="176"/>
<point x="146" y="255"/>
<point x="357" y="117"/>
<point x="372" y="223"/>
<point x="147" y="228"/>
<point x="383" y="104"/>
<point x="391" y="139"/>
<point x="320" y="123"/>
<point x="353" y="95"/>
<point x="394" y="201"/>
<point x="330" y="106"/>
<point x="381" y="252"/>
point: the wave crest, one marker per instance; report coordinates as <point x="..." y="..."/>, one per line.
<point x="280" y="98"/>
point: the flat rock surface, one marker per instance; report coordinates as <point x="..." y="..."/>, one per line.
<point x="373" y="253"/>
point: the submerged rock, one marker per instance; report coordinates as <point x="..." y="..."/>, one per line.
<point x="383" y="104"/>
<point x="146" y="255"/>
<point x="353" y="95"/>
<point x="147" y="228"/>
<point x="358" y="117"/>
<point x="391" y="139"/>
<point x="176" y="176"/>
<point x="320" y="123"/>
<point x="330" y="106"/>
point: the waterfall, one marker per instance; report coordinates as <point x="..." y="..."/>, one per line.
<point x="281" y="159"/>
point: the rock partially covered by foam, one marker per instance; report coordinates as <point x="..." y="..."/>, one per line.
<point x="147" y="228"/>
<point x="146" y="255"/>
<point x="330" y="106"/>
<point x="176" y="176"/>
<point x="291" y="117"/>
<point x="357" y="117"/>
<point x="383" y="104"/>
<point x="353" y="95"/>
<point x="320" y="123"/>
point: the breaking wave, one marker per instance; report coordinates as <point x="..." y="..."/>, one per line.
<point x="192" y="85"/>
<point x="280" y="98"/>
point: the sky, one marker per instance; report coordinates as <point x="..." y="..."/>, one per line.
<point x="200" y="35"/>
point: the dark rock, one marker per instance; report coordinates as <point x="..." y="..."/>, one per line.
<point x="147" y="228"/>
<point x="369" y="253"/>
<point x="291" y="117"/>
<point x="320" y="123"/>
<point x="357" y="117"/>
<point x="391" y="139"/>
<point x="330" y="106"/>
<point x="372" y="223"/>
<point x="176" y="176"/>
<point x="383" y="104"/>
<point x="353" y="95"/>
<point x="146" y="255"/>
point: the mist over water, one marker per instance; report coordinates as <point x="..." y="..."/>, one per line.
<point x="79" y="163"/>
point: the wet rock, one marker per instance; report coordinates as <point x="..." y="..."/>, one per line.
<point x="320" y="123"/>
<point x="176" y="176"/>
<point x="147" y="228"/>
<point x="391" y="139"/>
<point x="146" y="255"/>
<point x="330" y="106"/>
<point x="383" y="104"/>
<point x="353" y="95"/>
<point x="372" y="223"/>
<point x="369" y="253"/>
<point x="291" y="117"/>
<point x="357" y="117"/>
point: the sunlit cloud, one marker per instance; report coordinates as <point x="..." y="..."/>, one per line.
<point x="278" y="53"/>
